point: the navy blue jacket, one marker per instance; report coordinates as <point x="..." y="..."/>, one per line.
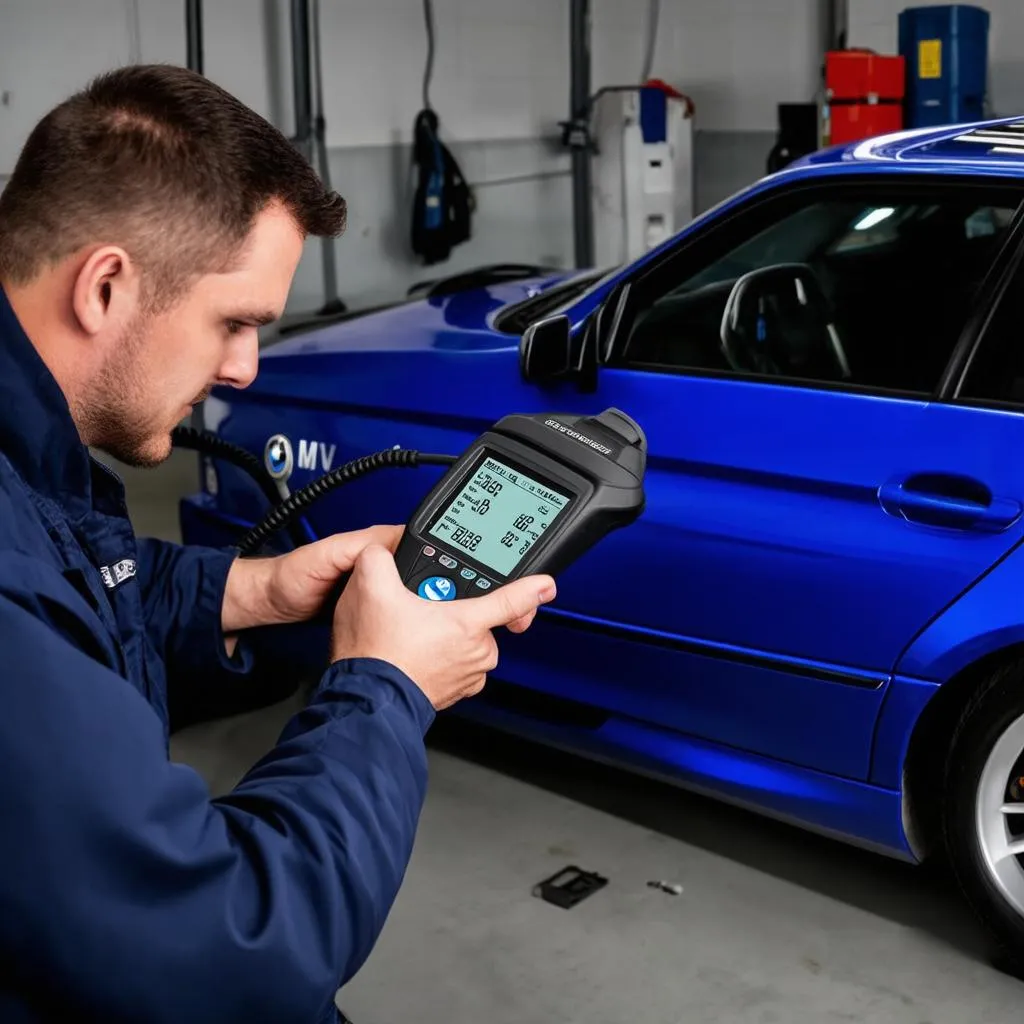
<point x="126" y="892"/>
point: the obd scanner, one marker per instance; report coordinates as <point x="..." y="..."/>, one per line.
<point x="530" y="495"/>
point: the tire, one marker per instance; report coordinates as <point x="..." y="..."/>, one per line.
<point x="988" y="744"/>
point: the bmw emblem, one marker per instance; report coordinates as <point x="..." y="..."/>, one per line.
<point x="278" y="458"/>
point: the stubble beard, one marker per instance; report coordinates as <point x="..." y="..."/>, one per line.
<point x="118" y="419"/>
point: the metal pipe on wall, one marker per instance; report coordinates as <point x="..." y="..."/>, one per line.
<point x="194" y="62"/>
<point x="579" y="114"/>
<point x="301" y="77"/>
<point x="194" y="35"/>
<point x="310" y="128"/>
<point x="837" y="22"/>
<point x="332" y="300"/>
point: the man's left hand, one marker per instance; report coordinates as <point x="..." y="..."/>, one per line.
<point x="294" y="587"/>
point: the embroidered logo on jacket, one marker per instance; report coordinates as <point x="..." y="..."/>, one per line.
<point x="116" y="574"/>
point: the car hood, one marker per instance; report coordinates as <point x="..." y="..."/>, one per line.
<point x="451" y="322"/>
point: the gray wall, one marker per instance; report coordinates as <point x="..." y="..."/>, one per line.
<point x="523" y="213"/>
<point x="500" y="86"/>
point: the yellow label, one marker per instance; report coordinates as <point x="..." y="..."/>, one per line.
<point x="929" y="58"/>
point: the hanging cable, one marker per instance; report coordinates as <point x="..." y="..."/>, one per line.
<point x="428" y="73"/>
<point x="284" y="513"/>
<point x="208" y="443"/>
<point x="653" y="16"/>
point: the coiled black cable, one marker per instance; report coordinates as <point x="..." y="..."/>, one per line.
<point x="284" y="512"/>
<point x="208" y="443"/>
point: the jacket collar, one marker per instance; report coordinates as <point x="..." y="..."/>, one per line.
<point x="37" y="433"/>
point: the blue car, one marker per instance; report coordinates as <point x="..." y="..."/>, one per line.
<point x="820" y="613"/>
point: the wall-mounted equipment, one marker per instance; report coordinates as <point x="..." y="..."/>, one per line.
<point x="642" y="169"/>
<point x="442" y="206"/>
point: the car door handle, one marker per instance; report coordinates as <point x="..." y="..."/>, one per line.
<point x="951" y="501"/>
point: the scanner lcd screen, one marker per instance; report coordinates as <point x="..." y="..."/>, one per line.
<point x="498" y="515"/>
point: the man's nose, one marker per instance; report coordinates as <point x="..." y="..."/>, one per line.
<point x="239" y="369"/>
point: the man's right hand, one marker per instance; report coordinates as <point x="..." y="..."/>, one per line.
<point x="446" y="648"/>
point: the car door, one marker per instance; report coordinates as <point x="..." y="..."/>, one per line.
<point x="799" y="530"/>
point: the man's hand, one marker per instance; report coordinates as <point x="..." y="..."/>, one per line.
<point x="303" y="579"/>
<point x="446" y="648"/>
<point x="294" y="587"/>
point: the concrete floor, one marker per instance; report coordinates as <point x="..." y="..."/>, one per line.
<point x="774" y="926"/>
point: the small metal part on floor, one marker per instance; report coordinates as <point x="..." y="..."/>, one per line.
<point x="569" y="886"/>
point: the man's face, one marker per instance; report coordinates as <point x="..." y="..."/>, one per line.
<point x="167" y="362"/>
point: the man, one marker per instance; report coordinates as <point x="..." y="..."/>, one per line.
<point x="152" y="223"/>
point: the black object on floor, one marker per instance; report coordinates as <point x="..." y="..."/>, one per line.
<point x="569" y="886"/>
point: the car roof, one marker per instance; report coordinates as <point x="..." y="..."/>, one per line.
<point x="985" y="147"/>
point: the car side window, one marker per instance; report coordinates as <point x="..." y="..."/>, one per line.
<point x="994" y="374"/>
<point x="892" y="274"/>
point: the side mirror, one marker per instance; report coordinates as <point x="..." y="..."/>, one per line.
<point x="548" y="352"/>
<point x="545" y="351"/>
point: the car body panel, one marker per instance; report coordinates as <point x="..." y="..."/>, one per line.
<point x="904" y="704"/>
<point x="699" y="690"/>
<point x="721" y="639"/>
<point x="448" y="323"/>
<point x="868" y="815"/>
<point x="708" y="583"/>
<point x="987" y="618"/>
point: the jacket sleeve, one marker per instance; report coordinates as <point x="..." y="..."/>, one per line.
<point x="182" y="596"/>
<point x="127" y="893"/>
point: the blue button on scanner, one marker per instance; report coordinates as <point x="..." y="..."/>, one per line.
<point x="437" y="588"/>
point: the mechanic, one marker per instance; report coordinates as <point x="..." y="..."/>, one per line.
<point x="151" y="224"/>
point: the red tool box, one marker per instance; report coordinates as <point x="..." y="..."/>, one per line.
<point x="864" y="95"/>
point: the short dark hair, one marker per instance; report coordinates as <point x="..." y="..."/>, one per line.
<point x="160" y="160"/>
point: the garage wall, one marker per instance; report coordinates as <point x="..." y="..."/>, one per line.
<point x="874" y="24"/>
<point x="500" y="86"/>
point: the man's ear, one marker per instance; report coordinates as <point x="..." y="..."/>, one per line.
<point x="106" y="290"/>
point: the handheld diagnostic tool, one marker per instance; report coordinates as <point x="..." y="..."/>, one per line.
<point x="530" y="495"/>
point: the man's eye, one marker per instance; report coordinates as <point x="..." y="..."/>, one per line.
<point x="234" y="326"/>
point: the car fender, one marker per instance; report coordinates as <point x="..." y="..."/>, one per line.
<point x="985" y="618"/>
<point x="985" y="621"/>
